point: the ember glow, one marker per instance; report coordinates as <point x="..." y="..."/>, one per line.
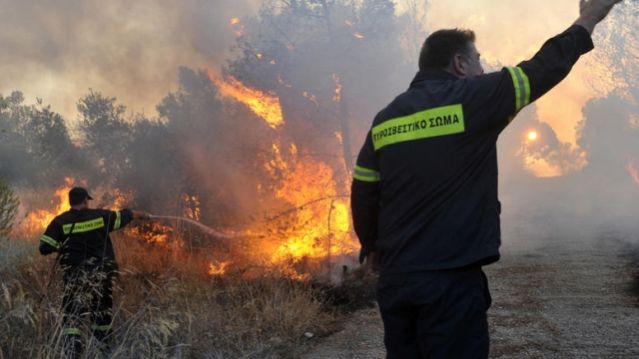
<point x="633" y="171"/>
<point x="266" y="106"/>
<point x="358" y="35"/>
<point x="218" y="268"/>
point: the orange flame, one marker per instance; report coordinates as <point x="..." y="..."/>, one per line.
<point x="191" y="207"/>
<point x="151" y="232"/>
<point x="266" y="106"/>
<point x="39" y="219"/>
<point x="633" y="171"/>
<point x="318" y="226"/>
<point x="218" y="268"/>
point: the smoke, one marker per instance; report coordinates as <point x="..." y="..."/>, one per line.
<point x="203" y="144"/>
<point x="57" y="50"/>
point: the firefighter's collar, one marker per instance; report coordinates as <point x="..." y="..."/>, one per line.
<point x="430" y="75"/>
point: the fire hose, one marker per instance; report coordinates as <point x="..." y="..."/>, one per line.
<point x="204" y="228"/>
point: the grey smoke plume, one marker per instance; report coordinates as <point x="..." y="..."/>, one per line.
<point x="211" y="146"/>
<point x="57" y="50"/>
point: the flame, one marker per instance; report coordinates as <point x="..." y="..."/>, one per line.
<point x="266" y="106"/>
<point x="191" y="207"/>
<point x="39" y="219"/>
<point x="310" y="97"/>
<point x="319" y="226"/>
<point x="151" y="232"/>
<point x="358" y="35"/>
<point x="237" y="26"/>
<point x="218" y="268"/>
<point x="633" y="171"/>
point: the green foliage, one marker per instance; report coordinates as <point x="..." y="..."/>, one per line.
<point x="105" y="133"/>
<point x="9" y="203"/>
<point x="35" y="146"/>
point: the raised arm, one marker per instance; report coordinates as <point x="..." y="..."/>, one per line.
<point x="591" y="12"/>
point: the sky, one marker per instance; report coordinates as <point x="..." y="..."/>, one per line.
<point x="58" y="50"/>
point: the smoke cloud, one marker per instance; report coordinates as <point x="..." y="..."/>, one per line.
<point x="57" y="50"/>
<point x="578" y="173"/>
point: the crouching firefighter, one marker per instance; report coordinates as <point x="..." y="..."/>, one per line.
<point x="80" y="236"/>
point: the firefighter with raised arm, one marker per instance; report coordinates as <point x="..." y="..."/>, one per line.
<point x="424" y="194"/>
<point x="80" y="236"/>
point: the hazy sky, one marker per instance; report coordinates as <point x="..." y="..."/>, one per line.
<point x="57" y="50"/>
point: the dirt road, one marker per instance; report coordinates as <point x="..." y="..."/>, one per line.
<point x="557" y="299"/>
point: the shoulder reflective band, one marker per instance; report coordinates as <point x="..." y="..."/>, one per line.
<point x="100" y="328"/>
<point x="365" y="174"/>
<point x="434" y="122"/>
<point x="522" y="87"/>
<point x="118" y="220"/>
<point x="50" y="241"/>
<point x="86" y="226"/>
<point x="71" y="331"/>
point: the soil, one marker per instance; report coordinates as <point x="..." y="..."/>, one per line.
<point x="554" y="299"/>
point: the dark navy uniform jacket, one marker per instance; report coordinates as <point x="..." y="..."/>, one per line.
<point x="83" y="235"/>
<point x="424" y="194"/>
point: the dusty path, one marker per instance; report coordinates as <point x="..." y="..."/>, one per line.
<point x="559" y="300"/>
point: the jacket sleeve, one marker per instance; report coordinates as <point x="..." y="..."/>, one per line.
<point x="118" y="219"/>
<point x="508" y="91"/>
<point x="365" y="199"/>
<point x="52" y="239"/>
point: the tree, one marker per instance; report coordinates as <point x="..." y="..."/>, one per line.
<point x="105" y="133"/>
<point x="332" y="63"/>
<point x="35" y="146"/>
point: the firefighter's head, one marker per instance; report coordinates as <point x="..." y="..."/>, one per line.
<point x="451" y="50"/>
<point x="79" y="198"/>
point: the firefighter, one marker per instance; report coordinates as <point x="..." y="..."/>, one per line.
<point x="80" y="236"/>
<point x="424" y="194"/>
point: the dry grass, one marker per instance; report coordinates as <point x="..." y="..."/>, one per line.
<point x="166" y="306"/>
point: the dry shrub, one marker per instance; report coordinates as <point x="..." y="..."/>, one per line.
<point x="166" y="306"/>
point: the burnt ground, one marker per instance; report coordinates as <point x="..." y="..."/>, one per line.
<point x="556" y="299"/>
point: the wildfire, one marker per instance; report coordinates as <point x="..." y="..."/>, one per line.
<point x="218" y="268"/>
<point x="320" y="225"/>
<point x="266" y="106"/>
<point x="151" y="232"/>
<point x="39" y="219"/>
<point x="633" y="171"/>
<point x="359" y="36"/>
<point x="310" y="97"/>
<point x="237" y="26"/>
<point x="191" y="207"/>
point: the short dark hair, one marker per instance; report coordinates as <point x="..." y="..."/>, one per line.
<point x="440" y="47"/>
